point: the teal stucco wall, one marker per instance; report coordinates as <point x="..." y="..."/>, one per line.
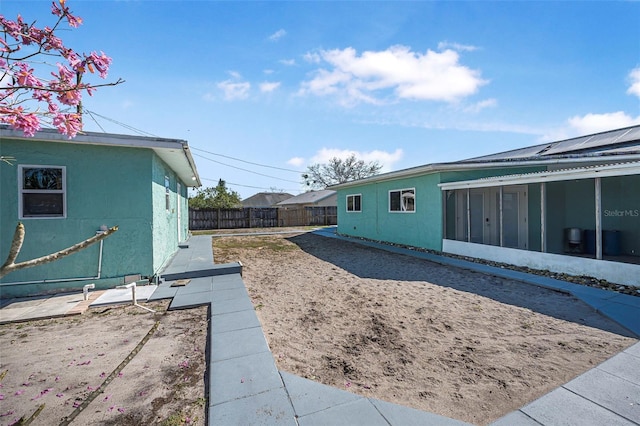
<point x="170" y="224"/>
<point x="105" y="185"/>
<point x="422" y="228"/>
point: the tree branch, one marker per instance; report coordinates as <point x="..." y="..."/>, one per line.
<point x="16" y="244"/>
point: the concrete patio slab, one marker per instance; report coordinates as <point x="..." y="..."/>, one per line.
<point x="516" y="418"/>
<point x="164" y="291"/>
<point x="239" y="320"/>
<point x="398" y="415"/>
<point x="230" y="294"/>
<point x="40" y="307"/>
<point x="238" y="343"/>
<point x="563" y="407"/>
<point x="228" y="282"/>
<point x="310" y="397"/>
<point x="609" y="391"/>
<point x="624" y="365"/>
<point x="626" y="315"/>
<point x="116" y="296"/>
<point x="227" y="306"/>
<point x="633" y="350"/>
<point x="271" y="408"/>
<point x="242" y="377"/>
<point x="190" y="300"/>
<point x="358" y="412"/>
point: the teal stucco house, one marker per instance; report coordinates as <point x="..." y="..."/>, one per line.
<point x="66" y="190"/>
<point x="570" y="206"/>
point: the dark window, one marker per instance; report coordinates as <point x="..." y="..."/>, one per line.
<point x="354" y="203"/>
<point x="403" y="200"/>
<point x="42" y="191"/>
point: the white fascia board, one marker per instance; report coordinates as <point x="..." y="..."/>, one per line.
<point x="608" y="170"/>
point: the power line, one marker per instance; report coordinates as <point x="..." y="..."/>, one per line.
<point x="126" y="126"/>
<point x="245" y="170"/>
<point x="143" y="133"/>
<point x="249" y="186"/>
<point x="245" y="161"/>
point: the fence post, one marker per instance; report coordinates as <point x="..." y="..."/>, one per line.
<point x="219" y="220"/>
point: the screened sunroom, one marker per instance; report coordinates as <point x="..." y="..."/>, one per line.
<point x="583" y="220"/>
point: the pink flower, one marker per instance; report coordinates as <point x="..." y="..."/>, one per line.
<point x="59" y="395"/>
<point x="121" y="410"/>
<point x="103" y="374"/>
<point x="19" y="392"/>
<point x="106" y="398"/>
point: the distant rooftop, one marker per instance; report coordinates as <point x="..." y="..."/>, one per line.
<point x="310" y="197"/>
<point x="265" y="199"/>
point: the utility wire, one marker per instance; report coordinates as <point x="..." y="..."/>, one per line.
<point x="244" y="161"/>
<point x="249" y="186"/>
<point x="245" y="170"/>
<point x="143" y="133"/>
<point x="126" y="126"/>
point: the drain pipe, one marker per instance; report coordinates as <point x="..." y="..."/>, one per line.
<point x="102" y="229"/>
<point x="132" y="286"/>
<point x="85" y="290"/>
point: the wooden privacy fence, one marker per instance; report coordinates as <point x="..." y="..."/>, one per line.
<point x="268" y="217"/>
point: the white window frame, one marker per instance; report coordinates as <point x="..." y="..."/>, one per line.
<point x="347" y="204"/>
<point x="403" y="197"/>
<point x="22" y="191"/>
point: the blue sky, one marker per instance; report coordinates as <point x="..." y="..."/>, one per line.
<point x="289" y="84"/>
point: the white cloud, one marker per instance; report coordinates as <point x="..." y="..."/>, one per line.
<point x="288" y="62"/>
<point x="277" y="35"/>
<point x="634" y="78"/>
<point x="268" y="72"/>
<point x="268" y="87"/>
<point x="234" y="90"/>
<point x="312" y="57"/>
<point x="409" y="75"/>
<point x="594" y="123"/>
<point x="296" y="161"/>
<point x="386" y="159"/>
<point x="443" y="45"/>
<point x="479" y="106"/>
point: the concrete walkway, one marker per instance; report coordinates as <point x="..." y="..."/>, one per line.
<point x="245" y="387"/>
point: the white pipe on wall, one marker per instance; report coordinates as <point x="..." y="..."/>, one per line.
<point x="62" y="280"/>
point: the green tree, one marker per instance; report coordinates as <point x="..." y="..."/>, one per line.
<point x="319" y="176"/>
<point x="219" y="197"/>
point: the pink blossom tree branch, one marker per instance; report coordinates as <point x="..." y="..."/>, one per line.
<point x="27" y="100"/>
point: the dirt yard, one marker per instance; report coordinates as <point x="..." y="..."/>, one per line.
<point x="449" y="341"/>
<point x="117" y="365"/>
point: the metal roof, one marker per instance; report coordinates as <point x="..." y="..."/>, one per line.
<point x="605" y="147"/>
<point x="585" y="172"/>
<point x="625" y="140"/>
<point x="174" y="152"/>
